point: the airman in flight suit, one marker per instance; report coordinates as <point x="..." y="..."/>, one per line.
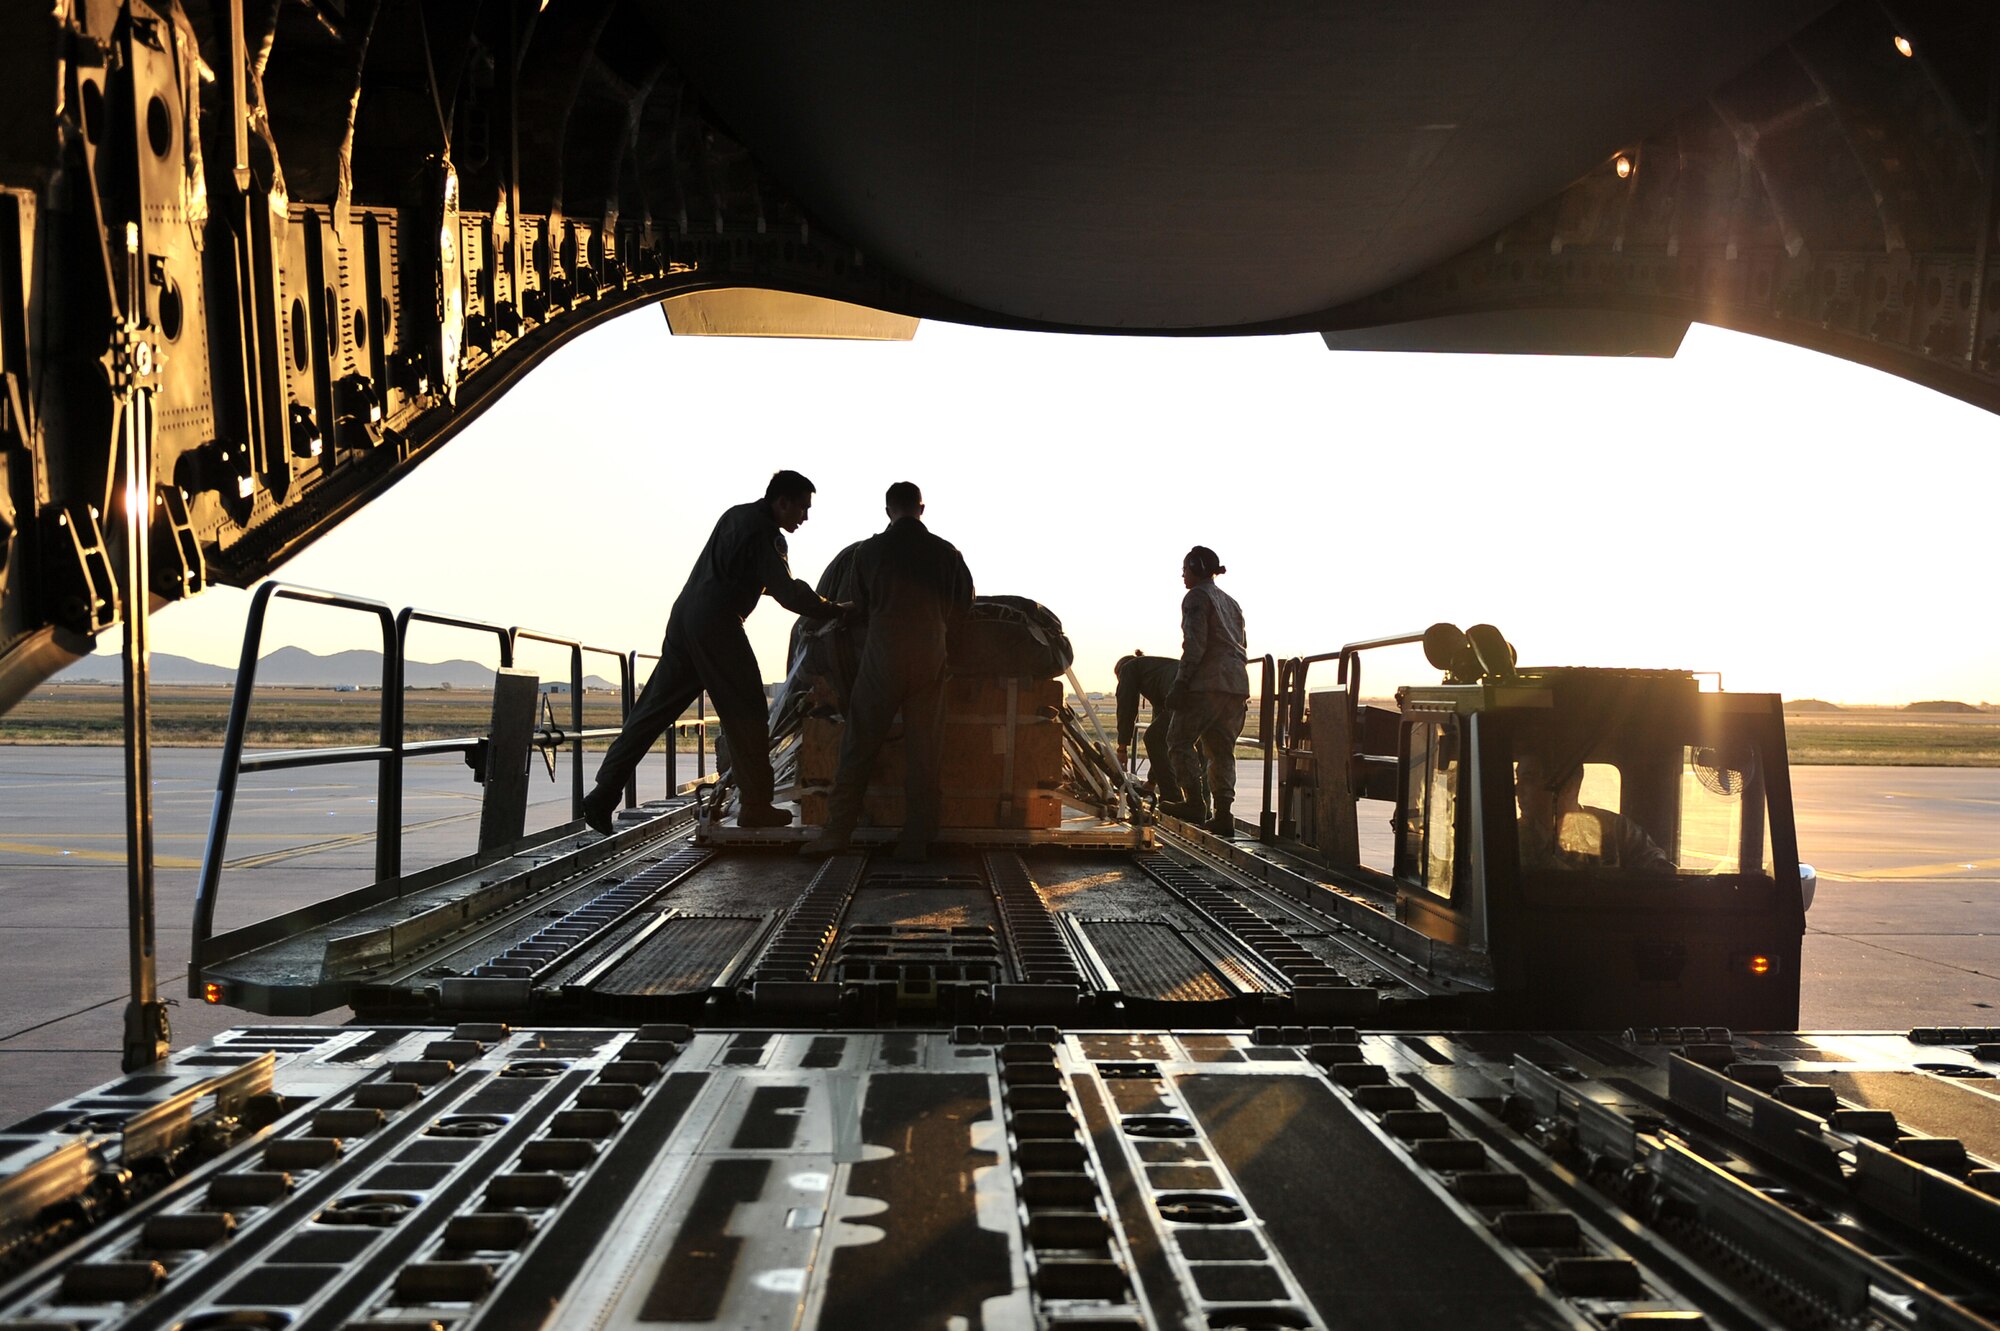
<point x="912" y="586"/>
<point x="706" y="648"/>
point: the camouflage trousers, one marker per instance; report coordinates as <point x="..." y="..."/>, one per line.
<point x="1202" y="744"/>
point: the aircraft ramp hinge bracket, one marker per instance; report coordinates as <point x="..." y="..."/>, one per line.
<point x="179" y="568"/>
<point x="83" y="596"/>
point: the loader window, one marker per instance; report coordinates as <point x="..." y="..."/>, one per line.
<point x="1568" y="817"/>
<point x="1723" y="829"/>
<point x="1427" y="852"/>
<point x="1602" y="788"/>
<point x="1690" y="804"/>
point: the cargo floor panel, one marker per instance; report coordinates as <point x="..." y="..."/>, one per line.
<point x="1153" y="959"/>
<point x="1114" y="888"/>
<point x="931" y="901"/>
<point x="745" y="882"/>
<point x="503" y="1179"/>
<point x="1404" y="1258"/>
<point x="683" y="954"/>
<point x="1100" y="886"/>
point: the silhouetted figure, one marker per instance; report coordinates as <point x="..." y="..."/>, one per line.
<point x="912" y="586"/>
<point x="1150" y="678"/>
<point x="706" y="648"/>
<point x="1210" y="697"/>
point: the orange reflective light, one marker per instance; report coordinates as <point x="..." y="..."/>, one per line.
<point x="211" y="992"/>
<point x="1903" y="47"/>
<point x="1760" y="964"/>
<point x="1622" y="165"/>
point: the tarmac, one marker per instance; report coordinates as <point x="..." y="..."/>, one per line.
<point x="1905" y="929"/>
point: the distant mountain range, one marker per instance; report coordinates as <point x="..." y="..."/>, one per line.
<point x="298" y="668"/>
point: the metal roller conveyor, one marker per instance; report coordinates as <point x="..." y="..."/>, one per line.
<point x="500" y="1177"/>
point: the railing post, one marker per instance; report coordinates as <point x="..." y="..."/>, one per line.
<point x="1267" y="720"/>
<point x="701" y="735"/>
<point x="576" y="723"/>
<point x="227" y="779"/>
<point x="628" y="671"/>
<point x="1289" y="712"/>
<point x="389" y="772"/>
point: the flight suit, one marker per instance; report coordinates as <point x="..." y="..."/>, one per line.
<point x="912" y="585"/>
<point x="1151" y="678"/>
<point x="1211" y="696"/>
<point x="706" y="648"/>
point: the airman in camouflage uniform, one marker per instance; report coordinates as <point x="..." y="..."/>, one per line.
<point x="1211" y="695"/>
<point x="1151" y="678"/>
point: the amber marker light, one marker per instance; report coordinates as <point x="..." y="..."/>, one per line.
<point x="1759" y="964"/>
<point x="1622" y="165"/>
<point x="211" y="992"/>
<point x="1903" y="47"/>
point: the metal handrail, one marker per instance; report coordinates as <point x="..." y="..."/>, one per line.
<point x="1292" y="674"/>
<point x="1294" y="671"/>
<point x="1349" y="672"/>
<point x="576" y="735"/>
<point x="394" y="795"/>
<point x="1348" y="675"/>
<point x="388" y="816"/>
<point x="392" y="749"/>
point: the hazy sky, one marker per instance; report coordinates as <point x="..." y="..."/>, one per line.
<point x="1795" y="522"/>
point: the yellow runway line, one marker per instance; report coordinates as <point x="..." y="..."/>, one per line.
<point x="93" y="856"/>
<point x="332" y="843"/>
<point x="1948" y="870"/>
<point x="55" y="850"/>
<point x="55" y="838"/>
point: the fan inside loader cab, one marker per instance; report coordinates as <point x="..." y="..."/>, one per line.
<point x="1725" y="772"/>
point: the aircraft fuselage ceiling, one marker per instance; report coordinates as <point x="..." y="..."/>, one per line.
<point x="258" y="258"/>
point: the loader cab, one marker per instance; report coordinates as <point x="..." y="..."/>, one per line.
<point x="1619" y="844"/>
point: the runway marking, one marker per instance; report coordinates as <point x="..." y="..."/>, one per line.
<point x="1913" y="956"/>
<point x="333" y="843"/>
<point x="92" y="1007"/>
<point x="57" y="851"/>
<point x="1947" y="870"/>
<point x="55" y="838"/>
<point x="95" y="856"/>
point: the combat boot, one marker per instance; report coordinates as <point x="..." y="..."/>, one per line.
<point x="1222" y="825"/>
<point x="1185" y="810"/>
<point x="763" y="815"/>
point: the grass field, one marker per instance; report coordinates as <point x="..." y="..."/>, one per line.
<point x="194" y="716"/>
<point x="1890" y="737"/>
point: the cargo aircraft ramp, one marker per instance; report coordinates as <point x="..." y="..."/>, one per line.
<point x="1113" y="1072"/>
<point x="656" y="924"/>
<point x="259" y="262"/>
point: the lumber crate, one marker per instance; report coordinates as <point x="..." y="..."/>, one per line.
<point x="993" y="775"/>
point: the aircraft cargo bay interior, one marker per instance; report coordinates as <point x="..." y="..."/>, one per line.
<point x="960" y="977"/>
